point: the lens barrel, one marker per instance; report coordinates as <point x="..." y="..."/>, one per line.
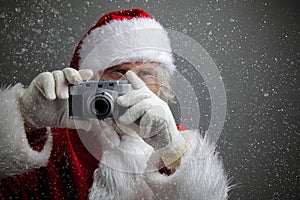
<point x="102" y="106"/>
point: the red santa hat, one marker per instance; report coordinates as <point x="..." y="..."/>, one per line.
<point x="120" y="37"/>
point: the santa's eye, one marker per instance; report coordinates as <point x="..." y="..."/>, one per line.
<point x="119" y="71"/>
<point x="144" y="73"/>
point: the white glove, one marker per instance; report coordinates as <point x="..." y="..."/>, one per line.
<point x="45" y="101"/>
<point x="157" y="125"/>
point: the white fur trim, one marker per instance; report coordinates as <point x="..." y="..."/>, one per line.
<point x="120" y="172"/>
<point x="200" y="175"/>
<point x="111" y="184"/>
<point x="140" y="39"/>
<point x="16" y="156"/>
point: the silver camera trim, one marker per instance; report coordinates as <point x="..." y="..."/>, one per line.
<point x="82" y="98"/>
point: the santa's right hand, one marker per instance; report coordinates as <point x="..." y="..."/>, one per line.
<point x="45" y="102"/>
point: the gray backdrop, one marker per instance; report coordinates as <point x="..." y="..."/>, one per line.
<point x="255" y="45"/>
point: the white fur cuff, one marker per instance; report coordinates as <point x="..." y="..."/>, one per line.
<point x="16" y="155"/>
<point x="200" y="176"/>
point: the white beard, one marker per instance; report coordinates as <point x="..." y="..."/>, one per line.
<point x="124" y="159"/>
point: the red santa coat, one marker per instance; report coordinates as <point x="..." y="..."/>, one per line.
<point x="56" y="165"/>
<point x="68" y="174"/>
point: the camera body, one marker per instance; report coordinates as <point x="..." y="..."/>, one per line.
<point x="97" y="99"/>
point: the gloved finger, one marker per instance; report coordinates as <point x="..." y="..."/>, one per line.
<point x="135" y="112"/>
<point x="135" y="81"/>
<point x="72" y="75"/>
<point x="61" y="87"/>
<point x="86" y="74"/>
<point x="132" y="98"/>
<point x="46" y="85"/>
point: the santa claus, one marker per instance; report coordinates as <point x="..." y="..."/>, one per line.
<point x="141" y="154"/>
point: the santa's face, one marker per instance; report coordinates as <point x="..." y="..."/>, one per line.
<point x="146" y="71"/>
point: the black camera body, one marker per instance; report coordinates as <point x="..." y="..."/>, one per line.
<point x="97" y="99"/>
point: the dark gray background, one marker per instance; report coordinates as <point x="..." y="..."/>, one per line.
<point x="255" y="45"/>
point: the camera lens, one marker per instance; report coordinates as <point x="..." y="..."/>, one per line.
<point x="101" y="106"/>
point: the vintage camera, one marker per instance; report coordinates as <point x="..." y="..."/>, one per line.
<point x="97" y="99"/>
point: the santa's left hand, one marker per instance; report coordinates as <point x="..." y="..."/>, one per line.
<point x="157" y="125"/>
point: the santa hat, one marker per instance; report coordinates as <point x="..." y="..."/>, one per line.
<point x="120" y="37"/>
